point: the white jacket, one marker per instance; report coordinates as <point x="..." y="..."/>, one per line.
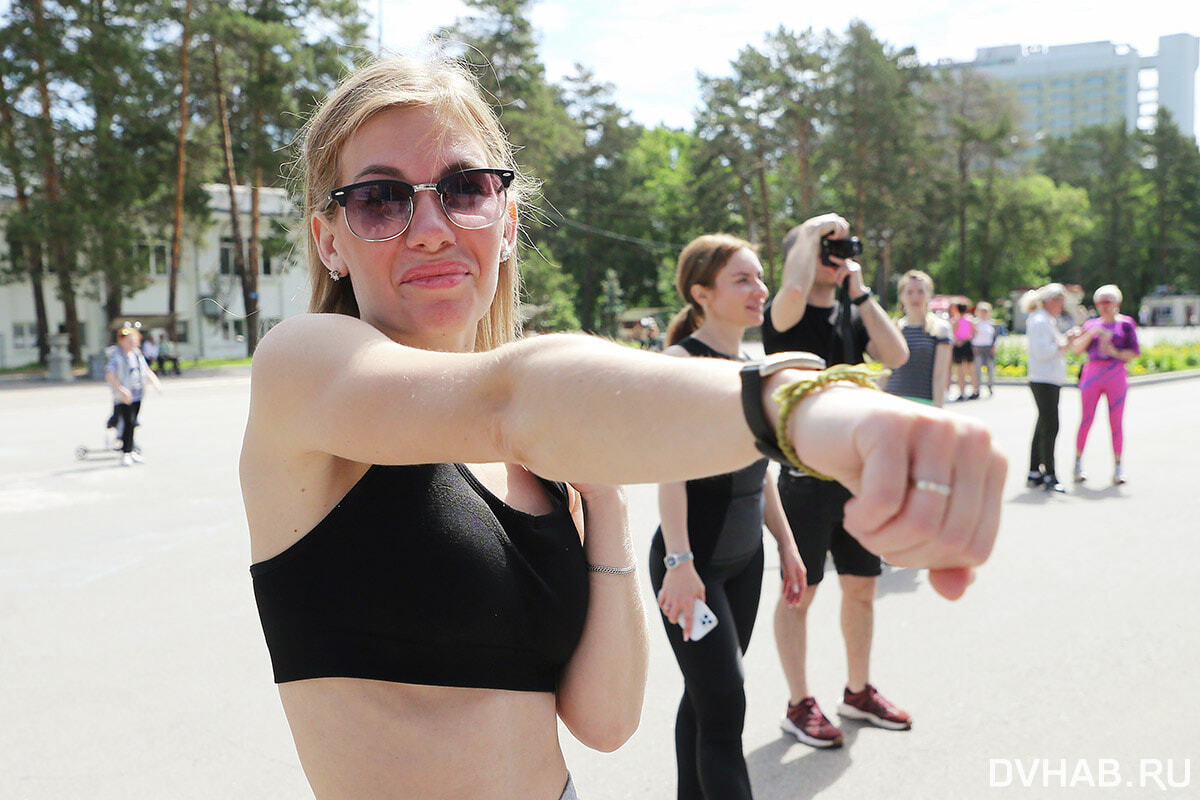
<point x="1047" y="364"/>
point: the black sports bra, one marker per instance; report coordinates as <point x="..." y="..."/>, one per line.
<point x="421" y="575"/>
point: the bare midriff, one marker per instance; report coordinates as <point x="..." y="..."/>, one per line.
<point x="365" y="739"/>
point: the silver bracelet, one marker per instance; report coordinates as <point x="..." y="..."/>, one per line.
<point x="611" y="570"/>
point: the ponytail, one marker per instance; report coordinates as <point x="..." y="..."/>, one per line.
<point x="683" y="324"/>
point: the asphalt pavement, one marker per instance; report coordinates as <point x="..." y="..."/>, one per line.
<point x="133" y="665"/>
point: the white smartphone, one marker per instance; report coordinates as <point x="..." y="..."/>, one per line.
<point x="706" y="620"/>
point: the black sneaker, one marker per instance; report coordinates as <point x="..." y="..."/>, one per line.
<point x="1035" y="480"/>
<point x="1051" y="484"/>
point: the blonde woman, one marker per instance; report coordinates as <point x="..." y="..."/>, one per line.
<point x="1047" y="368"/>
<point x="926" y="374"/>
<point x="1110" y="342"/>
<point x="434" y="597"/>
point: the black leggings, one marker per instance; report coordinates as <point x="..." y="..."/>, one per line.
<point x="128" y="412"/>
<point x="1041" y="454"/>
<point x="712" y="713"/>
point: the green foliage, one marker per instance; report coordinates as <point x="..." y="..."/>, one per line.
<point x="548" y="293"/>
<point x="612" y="303"/>
<point x="1156" y="358"/>
<point x="927" y="164"/>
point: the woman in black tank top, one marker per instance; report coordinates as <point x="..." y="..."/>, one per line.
<point x="432" y="607"/>
<point x="709" y="546"/>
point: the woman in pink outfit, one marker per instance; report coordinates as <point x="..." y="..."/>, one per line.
<point x="1110" y="341"/>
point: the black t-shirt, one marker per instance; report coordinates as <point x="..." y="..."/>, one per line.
<point x="816" y="332"/>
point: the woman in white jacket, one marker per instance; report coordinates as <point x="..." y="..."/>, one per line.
<point x="1047" y="368"/>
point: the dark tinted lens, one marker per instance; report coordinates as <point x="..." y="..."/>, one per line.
<point x="379" y="210"/>
<point x="472" y="199"/>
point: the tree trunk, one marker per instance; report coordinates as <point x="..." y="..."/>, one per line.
<point x="24" y="249"/>
<point x="963" y="178"/>
<point x="768" y="242"/>
<point x="885" y="272"/>
<point x="104" y="154"/>
<point x="62" y="256"/>
<point x="180" y="172"/>
<point x="235" y="222"/>
<point x="806" y="191"/>
<point x="250" y="278"/>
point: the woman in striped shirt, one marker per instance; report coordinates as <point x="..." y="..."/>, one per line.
<point x="926" y="374"/>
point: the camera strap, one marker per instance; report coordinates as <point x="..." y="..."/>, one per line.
<point x="845" y="325"/>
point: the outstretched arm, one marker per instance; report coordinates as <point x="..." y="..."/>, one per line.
<point x="581" y="409"/>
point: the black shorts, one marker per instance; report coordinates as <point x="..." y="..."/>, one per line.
<point x="815" y="509"/>
<point x="963" y="353"/>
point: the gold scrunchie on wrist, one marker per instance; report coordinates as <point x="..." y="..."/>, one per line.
<point x="790" y="395"/>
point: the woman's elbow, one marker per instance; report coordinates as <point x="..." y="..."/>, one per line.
<point x="609" y="732"/>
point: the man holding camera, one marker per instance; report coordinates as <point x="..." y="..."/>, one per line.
<point x="806" y="314"/>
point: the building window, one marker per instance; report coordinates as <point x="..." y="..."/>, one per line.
<point x="226" y="267"/>
<point x="152" y="257"/>
<point x="24" y="335"/>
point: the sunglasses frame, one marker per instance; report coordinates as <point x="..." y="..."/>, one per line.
<point x="341" y="195"/>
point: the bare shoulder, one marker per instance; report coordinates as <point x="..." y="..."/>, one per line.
<point x="677" y="351"/>
<point x="303" y="340"/>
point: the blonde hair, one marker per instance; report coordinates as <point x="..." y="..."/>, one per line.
<point x="1036" y="298"/>
<point x="983" y="305"/>
<point x="916" y="275"/>
<point x="698" y="265"/>
<point x="1108" y="290"/>
<point x="448" y="89"/>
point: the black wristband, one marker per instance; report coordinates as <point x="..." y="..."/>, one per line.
<point x="752" y="408"/>
<point x="862" y="298"/>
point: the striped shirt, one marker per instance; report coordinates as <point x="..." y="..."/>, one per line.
<point x="915" y="377"/>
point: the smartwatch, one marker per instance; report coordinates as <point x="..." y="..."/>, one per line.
<point x="673" y="560"/>
<point x="862" y="298"/>
<point x="753" y="373"/>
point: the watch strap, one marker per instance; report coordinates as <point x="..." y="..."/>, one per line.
<point x="862" y="298"/>
<point x="756" y="418"/>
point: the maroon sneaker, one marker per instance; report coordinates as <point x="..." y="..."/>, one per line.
<point x="806" y="722"/>
<point x="876" y="709"/>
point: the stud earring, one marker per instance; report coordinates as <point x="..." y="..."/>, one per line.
<point x="334" y="275"/>
<point x="506" y="252"/>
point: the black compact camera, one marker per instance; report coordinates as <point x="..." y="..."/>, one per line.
<point x="842" y="248"/>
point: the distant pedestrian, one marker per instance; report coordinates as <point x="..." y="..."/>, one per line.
<point x="926" y="374"/>
<point x="150" y="351"/>
<point x="1110" y="341"/>
<point x="983" y="344"/>
<point x="168" y="355"/>
<point x="1047" y="369"/>
<point x="962" y="355"/>
<point x="127" y="375"/>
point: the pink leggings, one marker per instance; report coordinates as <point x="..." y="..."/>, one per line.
<point x="1106" y="377"/>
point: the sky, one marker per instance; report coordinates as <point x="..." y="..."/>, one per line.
<point x="651" y="50"/>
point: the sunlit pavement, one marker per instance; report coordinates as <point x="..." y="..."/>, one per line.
<point x="133" y="666"/>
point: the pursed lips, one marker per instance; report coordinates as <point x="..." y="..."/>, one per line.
<point x="436" y="274"/>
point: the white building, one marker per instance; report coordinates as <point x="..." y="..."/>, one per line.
<point x="1064" y="88"/>
<point x="208" y="299"/>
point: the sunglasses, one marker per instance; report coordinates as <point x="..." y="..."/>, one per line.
<point x="379" y="210"/>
